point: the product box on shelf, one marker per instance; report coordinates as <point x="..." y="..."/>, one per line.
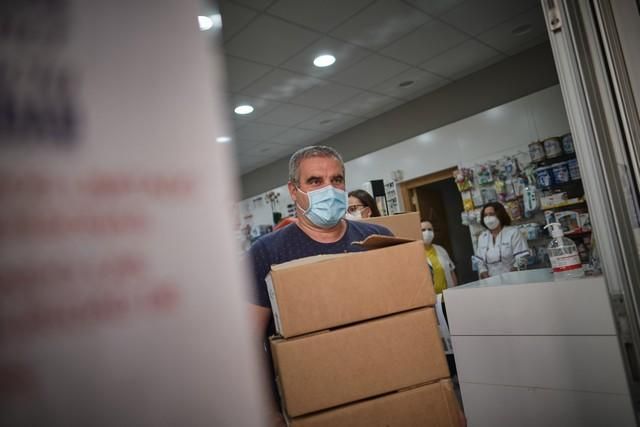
<point x="432" y="405"/>
<point x="327" y="369"/>
<point x="405" y="225"/>
<point x="326" y="291"/>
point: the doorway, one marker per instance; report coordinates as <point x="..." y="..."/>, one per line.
<point x="436" y="198"/>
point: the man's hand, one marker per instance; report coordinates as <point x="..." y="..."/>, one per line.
<point x="484" y="275"/>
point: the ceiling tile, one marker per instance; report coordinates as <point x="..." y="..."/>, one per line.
<point x="288" y="115"/>
<point x="327" y="121"/>
<point x="363" y="104"/>
<point x="259" y="131"/>
<point x="386" y="107"/>
<point x="270" y="40"/>
<point x="462" y="60"/>
<point x="241" y="73"/>
<point x="260" y="106"/>
<point x="370" y="72"/>
<point x="476" y="16"/>
<point x="423" y="80"/>
<point x="256" y="4"/>
<point x="346" y="55"/>
<point x="380" y="24"/>
<point x="502" y="37"/>
<point x="234" y="18"/>
<point x="429" y="40"/>
<point x="281" y="85"/>
<point x="319" y="15"/>
<point x="435" y="7"/>
<point x="294" y="136"/>
<point x="325" y="95"/>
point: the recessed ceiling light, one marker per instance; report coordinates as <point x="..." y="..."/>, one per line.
<point x="324" y="61"/>
<point x="243" y="109"/>
<point x="406" y="83"/>
<point x="208" y="22"/>
<point x="223" y="139"/>
<point x="521" y="30"/>
<point x="205" y="23"/>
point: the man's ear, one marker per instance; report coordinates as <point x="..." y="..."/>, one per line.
<point x="292" y="191"/>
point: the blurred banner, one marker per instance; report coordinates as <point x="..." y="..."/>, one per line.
<point x="121" y="296"/>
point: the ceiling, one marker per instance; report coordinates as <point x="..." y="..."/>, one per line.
<point x="388" y="52"/>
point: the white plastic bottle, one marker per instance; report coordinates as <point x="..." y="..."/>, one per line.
<point x="563" y="253"/>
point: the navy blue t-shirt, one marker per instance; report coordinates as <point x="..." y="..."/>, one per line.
<point x="290" y="243"/>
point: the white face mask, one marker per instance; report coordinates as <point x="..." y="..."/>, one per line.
<point x="492" y="222"/>
<point x="427" y="236"/>
<point x="354" y="216"/>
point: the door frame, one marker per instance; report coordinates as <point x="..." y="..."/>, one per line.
<point x="408" y="188"/>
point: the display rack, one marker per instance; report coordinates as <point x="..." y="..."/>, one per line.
<point x="551" y="183"/>
<point x="393" y="199"/>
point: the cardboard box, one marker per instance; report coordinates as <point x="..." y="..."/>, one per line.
<point x="433" y="405"/>
<point x="406" y="225"/>
<point x="326" y="291"/>
<point x="328" y="369"/>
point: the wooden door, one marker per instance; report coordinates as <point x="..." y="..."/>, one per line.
<point x="431" y="207"/>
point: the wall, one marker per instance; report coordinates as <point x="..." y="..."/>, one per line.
<point x="513" y="78"/>
<point x="494" y="133"/>
<point x="500" y="131"/>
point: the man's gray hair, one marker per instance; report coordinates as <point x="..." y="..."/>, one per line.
<point x="307" y="152"/>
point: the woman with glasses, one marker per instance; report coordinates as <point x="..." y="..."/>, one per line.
<point x="361" y="205"/>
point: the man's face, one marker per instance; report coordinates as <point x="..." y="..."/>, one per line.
<point x="316" y="173"/>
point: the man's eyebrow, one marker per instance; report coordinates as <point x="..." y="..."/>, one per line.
<point x="311" y="178"/>
<point x="337" y="176"/>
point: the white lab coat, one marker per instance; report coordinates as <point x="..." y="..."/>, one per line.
<point x="502" y="255"/>
<point x="447" y="265"/>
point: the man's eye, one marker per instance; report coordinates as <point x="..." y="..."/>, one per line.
<point x="338" y="180"/>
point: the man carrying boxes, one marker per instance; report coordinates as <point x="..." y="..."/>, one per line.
<point x="355" y="340"/>
<point x="317" y="186"/>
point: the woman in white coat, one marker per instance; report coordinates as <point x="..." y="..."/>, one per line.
<point x="442" y="267"/>
<point x="500" y="247"/>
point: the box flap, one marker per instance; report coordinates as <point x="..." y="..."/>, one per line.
<point x="378" y="241"/>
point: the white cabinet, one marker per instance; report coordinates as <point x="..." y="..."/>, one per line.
<point x="531" y="354"/>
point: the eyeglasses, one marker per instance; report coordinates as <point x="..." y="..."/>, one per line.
<point x="353" y="208"/>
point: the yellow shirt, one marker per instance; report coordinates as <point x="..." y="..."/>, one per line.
<point x="439" y="278"/>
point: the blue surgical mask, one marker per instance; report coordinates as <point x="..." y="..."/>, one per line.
<point x="327" y="206"/>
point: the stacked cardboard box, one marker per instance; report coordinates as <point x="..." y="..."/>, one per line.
<point x="358" y="342"/>
<point x="405" y="225"/>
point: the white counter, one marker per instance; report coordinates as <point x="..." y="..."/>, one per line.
<point x="530" y="351"/>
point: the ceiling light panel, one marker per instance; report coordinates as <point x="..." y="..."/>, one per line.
<point x="502" y="38"/>
<point x="325" y="95"/>
<point x="426" y="42"/>
<point x="321" y="15"/>
<point x="288" y="115"/>
<point x="270" y="40"/>
<point x="364" y="104"/>
<point x="474" y="17"/>
<point x="435" y="7"/>
<point x="281" y="85"/>
<point x="370" y="72"/>
<point x="234" y="18"/>
<point x="346" y="55"/>
<point x="422" y="80"/>
<point x="241" y="73"/>
<point x="462" y="60"/>
<point x="372" y="28"/>
<point x="324" y="60"/>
